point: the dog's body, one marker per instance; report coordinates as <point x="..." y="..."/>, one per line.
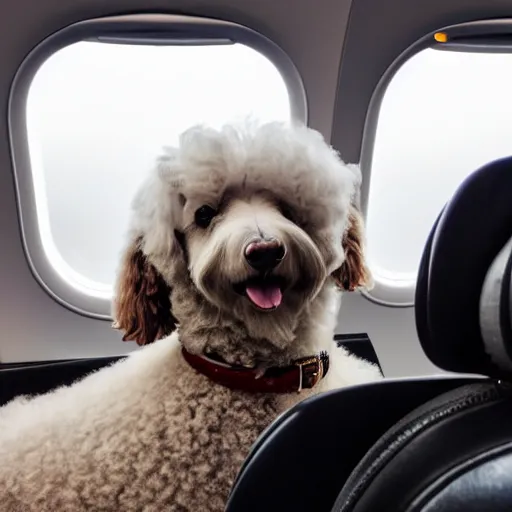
<point x="245" y="278"/>
<point x="149" y="433"/>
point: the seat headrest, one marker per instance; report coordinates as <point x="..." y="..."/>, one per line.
<point x="462" y="304"/>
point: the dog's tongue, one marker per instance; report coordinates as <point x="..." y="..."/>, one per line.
<point x="265" y="296"/>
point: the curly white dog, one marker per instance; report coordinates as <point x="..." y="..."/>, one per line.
<point x="238" y="241"/>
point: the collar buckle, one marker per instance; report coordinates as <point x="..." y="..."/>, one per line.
<point x="312" y="370"/>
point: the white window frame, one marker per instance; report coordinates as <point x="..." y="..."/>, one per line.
<point x="460" y="37"/>
<point x="162" y="29"/>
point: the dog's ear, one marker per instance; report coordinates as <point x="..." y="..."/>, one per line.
<point x="142" y="305"/>
<point x="353" y="272"/>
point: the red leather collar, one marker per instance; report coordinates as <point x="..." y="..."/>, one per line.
<point x="302" y="374"/>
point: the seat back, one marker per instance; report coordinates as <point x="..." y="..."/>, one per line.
<point x="463" y="244"/>
<point x="436" y="456"/>
<point x="302" y="460"/>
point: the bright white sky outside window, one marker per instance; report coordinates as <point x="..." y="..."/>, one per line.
<point x="98" y="116"/>
<point x="443" y="116"/>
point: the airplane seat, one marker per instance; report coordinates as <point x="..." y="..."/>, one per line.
<point x="426" y="444"/>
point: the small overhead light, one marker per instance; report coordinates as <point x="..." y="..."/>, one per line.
<point x="441" y="37"/>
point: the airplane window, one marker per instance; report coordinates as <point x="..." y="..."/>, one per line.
<point x="443" y="115"/>
<point x="98" y="115"/>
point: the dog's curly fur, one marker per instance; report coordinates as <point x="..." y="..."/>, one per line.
<point x="150" y="433"/>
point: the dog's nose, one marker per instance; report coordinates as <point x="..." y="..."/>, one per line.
<point x="264" y="255"/>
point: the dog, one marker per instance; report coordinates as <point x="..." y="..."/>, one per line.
<point x="239" y="242"/>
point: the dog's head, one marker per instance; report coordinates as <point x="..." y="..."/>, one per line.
<point x="250" y="223"/>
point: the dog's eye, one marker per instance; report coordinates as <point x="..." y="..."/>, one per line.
<point x="204" y="216"/>
<point x="287" y="212"/>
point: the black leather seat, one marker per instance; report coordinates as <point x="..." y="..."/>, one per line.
<point x="425" y="444"/>
<point x="303" y="460"/>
